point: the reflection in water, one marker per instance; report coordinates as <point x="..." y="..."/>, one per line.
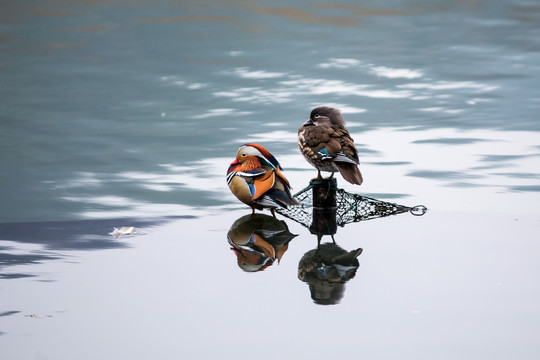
<point x="326" y="269"/>
<point x="322" y="208"/>
<point x="258" y="240"/>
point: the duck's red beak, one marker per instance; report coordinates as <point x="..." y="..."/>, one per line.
<point x="235" y="162"/>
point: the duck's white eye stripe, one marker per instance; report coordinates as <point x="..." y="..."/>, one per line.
<point x="317" y="115"/>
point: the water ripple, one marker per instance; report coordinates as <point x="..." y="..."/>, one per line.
<point x="337" y="63"/>
<point x="245" y="73"/>
<point x="221" y="112"/>
<point x="281" y="87"/>
<point x="450" y="85"/>
<point x="391" y="73"/>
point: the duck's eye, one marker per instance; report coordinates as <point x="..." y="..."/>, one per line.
<point x="317" y="116"/>
<point x="243" y="155"/>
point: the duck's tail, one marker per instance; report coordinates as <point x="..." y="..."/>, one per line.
<point x="350" y="172"/>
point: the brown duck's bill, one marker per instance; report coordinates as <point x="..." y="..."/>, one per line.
<point x="308" y="122"/>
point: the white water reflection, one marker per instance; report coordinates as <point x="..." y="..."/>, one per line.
<point x="343" y="88"/>
<point x="306" y="86"/>
<point x="295" y="85"/>
<point x="381" y="71"/>
<point x="339" y="63"/>
<point x="196" y="86"/>
<point x="246" y="73"/>
<point x="221" y="112"/>
<point x="391" y="73"/>
<point x="82" y="179"/>
<point x="467" y="164"/>
<point x="441" y="168"/>
<point x="269" y="136"/>
<point x="112" y="206"/>
<point x="450" y="85"/>
<point x="198" y="179"/>
<point x="345" y="109"/>
<point x="257" y="95"/>
<point x="442" y="110"/>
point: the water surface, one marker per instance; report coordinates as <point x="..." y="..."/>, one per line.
<point x="127" y="113"/>
<point x="123" y="109"/>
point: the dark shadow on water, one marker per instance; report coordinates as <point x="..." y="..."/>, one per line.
<point x="8" y="313"/>
<point x="442" y="175"/>
<point x="463" y="184"/>
<point x="15" y="276"/>
<point x="526" y="188"/>
<point x="7" y="259"/>
<point x="75" y="235"/>
<point x="501" y="158"/>
<point x="450" y="141"/>
<point x="386" y="195"/>
<point x="389" y="163"/>
<point x="56" y="237"/>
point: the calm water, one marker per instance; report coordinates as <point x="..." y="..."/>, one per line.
<point x="133" y="110"/>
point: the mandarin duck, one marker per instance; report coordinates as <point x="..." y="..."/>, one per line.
<point x="327" y="145"/>
<point x="255" y="177"/>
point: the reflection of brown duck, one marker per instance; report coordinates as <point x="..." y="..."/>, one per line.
<point x="258" y="240"/>
<point x="326" y="270"/>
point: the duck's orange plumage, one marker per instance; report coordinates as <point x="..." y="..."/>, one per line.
<point x="255" y="177"/>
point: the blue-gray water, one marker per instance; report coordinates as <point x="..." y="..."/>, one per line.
<point x="115" y="108"/>
<point x="133" y="110"/>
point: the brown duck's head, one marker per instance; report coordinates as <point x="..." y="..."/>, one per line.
<point x="324" y="115"/>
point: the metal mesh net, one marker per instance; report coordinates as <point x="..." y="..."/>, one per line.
<point x="349" y="208"/>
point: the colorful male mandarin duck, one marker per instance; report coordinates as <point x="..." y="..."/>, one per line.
<point x="255" y="177"/>
<point x="327" y="145"/>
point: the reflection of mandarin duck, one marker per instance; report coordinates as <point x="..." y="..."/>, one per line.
<point x="327" y="145"/>
<point x="258" y="240"/>
<point x="326" y="270"/>
<point x="255" y="177"/>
